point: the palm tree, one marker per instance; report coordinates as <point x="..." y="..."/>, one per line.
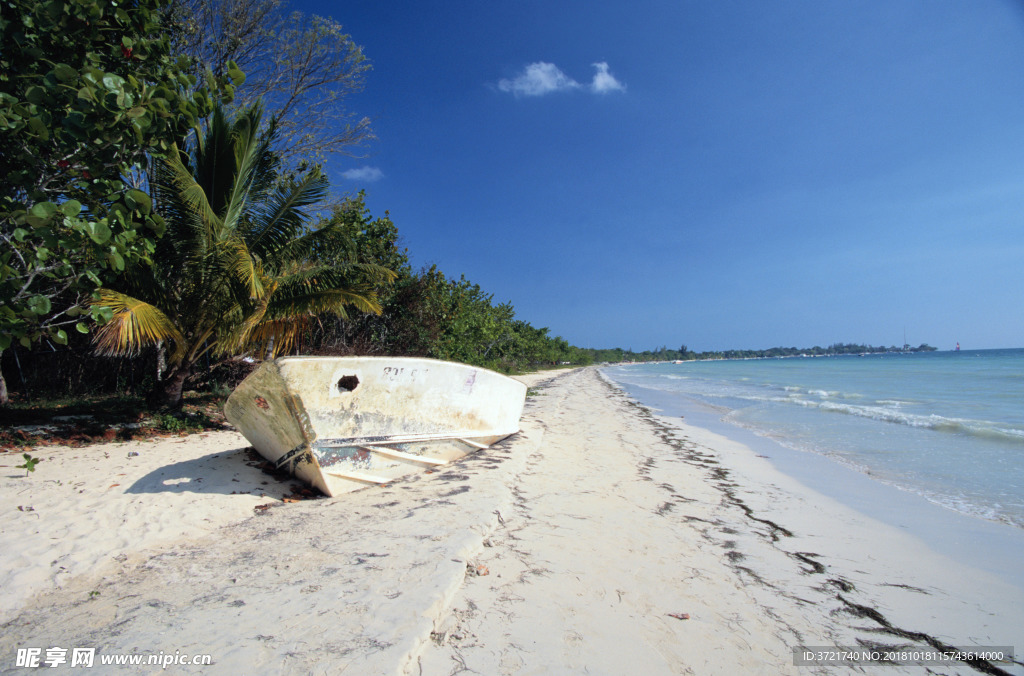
<point x="239" y="267"/>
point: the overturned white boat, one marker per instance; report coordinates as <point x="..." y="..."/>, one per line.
<point x="342" y="423"/>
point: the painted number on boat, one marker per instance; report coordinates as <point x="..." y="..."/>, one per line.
<point x="394" y="373"/>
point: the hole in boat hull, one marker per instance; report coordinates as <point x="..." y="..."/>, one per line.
<point x="347" y="383"/>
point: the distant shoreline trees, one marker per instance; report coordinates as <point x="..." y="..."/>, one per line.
<point x="685" y="354"/>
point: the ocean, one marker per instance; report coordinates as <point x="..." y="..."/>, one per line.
<point x="947" y="426"/>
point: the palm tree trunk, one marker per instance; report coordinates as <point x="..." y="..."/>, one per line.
<point x="168" y="393"/>
<point x="161" y="360"/>
<point x="4" y="398"/>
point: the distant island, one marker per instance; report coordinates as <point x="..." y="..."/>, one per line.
<point x="685" y="354"/>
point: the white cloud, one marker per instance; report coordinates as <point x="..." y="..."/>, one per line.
<point x="604" y="81"/>
<point x="538" y="79"/>
<point x="368" y="174"/>
<point x="542" y="78"/>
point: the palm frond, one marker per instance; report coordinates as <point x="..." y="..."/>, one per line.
<point x="328" y="243"/>
<point x="280" y="336"/>
<point x="374" y="273"/>
<point x="190" y="193"/>
<point x="330" y="299"/>
<point x="134" y="325"/>
<point x="250" y="158"/>
<point x="284" y="214"/>
<point x="247" y="319"/>
<point x="213" y="163"/>
<point x="338" y="300"/>
<point x="241" y="266"/>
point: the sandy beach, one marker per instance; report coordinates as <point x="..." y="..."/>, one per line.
<point x="601" y="539"/>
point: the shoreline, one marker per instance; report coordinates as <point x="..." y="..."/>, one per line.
<point x="602" y="537"/>
<point x="991" y="545"/>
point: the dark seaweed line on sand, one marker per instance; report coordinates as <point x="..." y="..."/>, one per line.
<point x="984" y="666"/>
<point x="809" y="566"/>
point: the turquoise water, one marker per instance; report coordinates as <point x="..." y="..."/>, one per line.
<point x="946" y="425"/>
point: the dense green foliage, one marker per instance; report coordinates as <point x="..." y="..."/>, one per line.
<point x="685" y="354"/>
<point x="186" y="257"/>
<point x="88" y="92"/>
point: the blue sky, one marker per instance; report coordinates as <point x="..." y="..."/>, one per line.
<point x="720" y="174"/>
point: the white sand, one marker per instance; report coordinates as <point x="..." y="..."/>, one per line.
<point x="85" y="507"/>
<point x="591" y="528"/>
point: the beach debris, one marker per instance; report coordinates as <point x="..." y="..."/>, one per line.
<point x="478" y="570"/>
<point x="37" y="427"/>
<point x="262" y="509"/>
<point x="904" y="586"/>
<point x="22" y="508"/>
<point x="133" y="454"/>
<point x="300" y="493"/>
<point x="680" y="616"/>
<point x="844" y="585"/>
<point x="812" y="565"/>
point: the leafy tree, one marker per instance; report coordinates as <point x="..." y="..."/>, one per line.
<point x="459" y="321"/>
<point x="238" y="268"/>
<point x="303" y="68"/>
<point x="474" y="326"/>
<point x="373" y="241"/>
<point x="88" y="92"/>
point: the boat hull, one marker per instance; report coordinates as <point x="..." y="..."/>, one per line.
<point x="342" y="423"/>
